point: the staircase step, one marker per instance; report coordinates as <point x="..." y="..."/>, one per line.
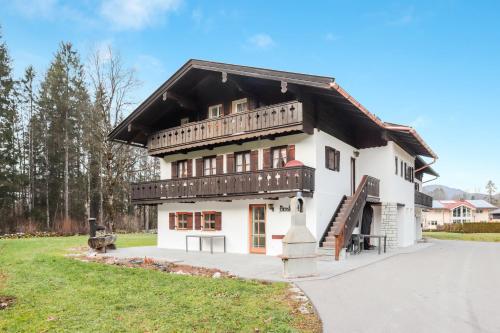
<point x="330" y="238"/>
<point x="329" y="245"/>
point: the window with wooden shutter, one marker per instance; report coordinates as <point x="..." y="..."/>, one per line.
<point x="218" y="221"/>
<point x="209" y="221"/>
<point x="230" y="163"/>
<point x="266" y="160"/>
<point x="209" y="166"/>
<point x="254" y="160"/>
<point x="184" y="221"/>
<point x="173" y="170"/>
<point x="332" y="159"/>
<point x="189" y="165"/>
<point x="219" y="164"/>
<point x="279" y="156"/>
<point x="197" y="221"/>
<point x="291" y="153"/>
<point x="242" y="161"/>
<point x="199" y="167"/>
<point x="171" y="221"/>
<point x="182" y="169"/>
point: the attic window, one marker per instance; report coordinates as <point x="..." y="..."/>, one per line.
<point x="215" y="111"/>
<point x="240" y="105"/>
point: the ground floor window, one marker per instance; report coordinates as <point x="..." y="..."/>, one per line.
<point x="209" y="220"/>
<point x="183" y="220"/>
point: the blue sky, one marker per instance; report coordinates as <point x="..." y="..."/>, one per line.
<point x="434" y="65"/>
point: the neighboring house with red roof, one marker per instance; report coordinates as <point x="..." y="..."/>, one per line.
<point x="457" y="211"/>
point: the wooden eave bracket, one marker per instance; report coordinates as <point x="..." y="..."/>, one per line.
<point x="284" y="87"/>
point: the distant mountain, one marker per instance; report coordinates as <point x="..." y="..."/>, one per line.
<point x="442" y="192"/>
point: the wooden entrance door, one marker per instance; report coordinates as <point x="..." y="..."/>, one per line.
<point x="257" y="228"/>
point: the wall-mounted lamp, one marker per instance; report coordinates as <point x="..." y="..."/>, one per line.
<point x="356" y="153"/>
<point x="271" y="207"/>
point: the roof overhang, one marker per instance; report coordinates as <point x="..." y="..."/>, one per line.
<point x="405" y="136"/>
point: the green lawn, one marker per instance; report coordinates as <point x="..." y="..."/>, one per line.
<point x="60" y="294"/>
<point x="481" y="237"/>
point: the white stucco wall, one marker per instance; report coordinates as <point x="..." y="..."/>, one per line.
<point x="330" y="186"/>
<point x="379" y="162"/>
<point x="235" y="225"/>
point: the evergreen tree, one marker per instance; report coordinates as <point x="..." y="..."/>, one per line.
<point x="8" y="118"/>
<point x="64" y="106"/>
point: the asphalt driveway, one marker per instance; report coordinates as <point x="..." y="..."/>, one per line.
<point x="453" y="286"/>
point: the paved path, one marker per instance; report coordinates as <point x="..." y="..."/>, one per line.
<point x="453" y="286"/>
<point x="256" y="266"/>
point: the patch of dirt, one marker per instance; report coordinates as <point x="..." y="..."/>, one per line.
<point x="6" y="301"/>
<point x="306" y="318"/>
<point x="163" y="266"/>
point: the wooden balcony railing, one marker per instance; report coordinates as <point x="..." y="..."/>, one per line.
<point x="423" y="200"/>
<point x="227" y="186"/>
<point x="278" y="118"/>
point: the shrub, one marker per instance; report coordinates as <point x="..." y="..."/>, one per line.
<point x="469" y="228"/>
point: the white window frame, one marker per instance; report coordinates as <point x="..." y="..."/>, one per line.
<point x="237" y="102"/>
<point x="219" y="111"/>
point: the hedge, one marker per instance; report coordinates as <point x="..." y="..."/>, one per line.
<point x="469" y="228"/>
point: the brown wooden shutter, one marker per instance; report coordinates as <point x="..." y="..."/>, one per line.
<point x="230" y="163"/>
<point x="199" y="167"/>
<point x="189" y="168"/>
<point x="219" y="164"/>
<point x="190" y="221"/>
<point x="327" y="155"/>
<point x="290" y="154"/>
<point x="218" y="221"/>
<point x="197" y="221"/>
<point x="266" y="160"/>
<point x="174" y="170"/>
<point x="171" y="221"/>
<point x="254" y="160"/>
<point x="337" y="160"/>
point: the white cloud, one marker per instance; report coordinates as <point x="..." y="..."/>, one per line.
<point x="261" y="41"/>
<point x="404" y="17"/>
<point x="137" y="14"/>
<point x="32" y="8"/>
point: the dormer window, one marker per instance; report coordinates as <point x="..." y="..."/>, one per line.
<point x="240" y="105"/>
<point x="215" y="111"/>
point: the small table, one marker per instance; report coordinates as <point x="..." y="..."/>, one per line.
<point x="379" y="237"/>
<point x="211" y="237"/>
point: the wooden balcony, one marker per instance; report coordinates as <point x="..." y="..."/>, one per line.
<point x="269" y="120"/>
<point x="269" y="183"/>
<point x="423" y="200"/>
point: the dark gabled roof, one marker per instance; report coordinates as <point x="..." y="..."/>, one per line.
<point x="407" y="137"/>
<point x="262" y="73"/>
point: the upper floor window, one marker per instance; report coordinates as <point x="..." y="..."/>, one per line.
<point x="242" y="161"/>
<point x="240" y="105"/>
<point x="209" y="166"/>
<point x="215" y="111"/>
<point x="279" y="156"/>
<point x="332" y="159"/>
<point x="396" y="160"/>
<point x="182" y="169"/>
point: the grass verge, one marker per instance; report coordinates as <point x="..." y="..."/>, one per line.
<point x="60" y="294"/>
<point x="480" y="237"/>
